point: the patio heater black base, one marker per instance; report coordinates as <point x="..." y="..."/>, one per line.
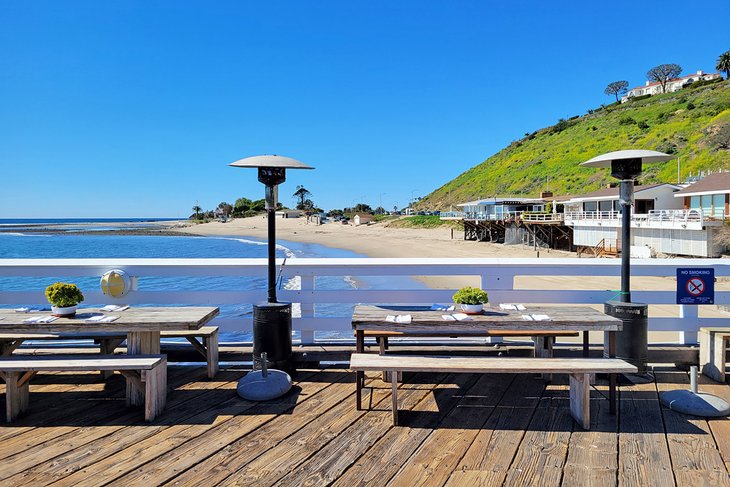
<point x="631" y="342"/>
<point x="272" y="335"/>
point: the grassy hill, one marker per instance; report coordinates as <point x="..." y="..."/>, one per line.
<point x="693" y="124"/>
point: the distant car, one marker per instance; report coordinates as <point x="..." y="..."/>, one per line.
<point x="437" y="213"/>
<point x="421" y="213"/>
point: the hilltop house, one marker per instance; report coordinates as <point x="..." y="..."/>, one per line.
<point x="676" y="84"/>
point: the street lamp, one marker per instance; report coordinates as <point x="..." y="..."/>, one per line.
<point x="272" y="320"/>
<point x="632" y="340"/>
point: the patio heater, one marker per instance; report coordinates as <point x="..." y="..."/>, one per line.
<point x="272" y="320"/>
<point x="632" y="340"/>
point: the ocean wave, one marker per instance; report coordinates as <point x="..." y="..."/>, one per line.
<point x="289" y="253"/>
<point x="14" y="234"/>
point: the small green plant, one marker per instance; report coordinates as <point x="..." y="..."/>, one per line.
<point x="64" y="294"/>
<point x="470" y="295"/>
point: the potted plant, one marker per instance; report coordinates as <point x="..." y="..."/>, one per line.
<point x="64" y="297"/>
<point x="471" y="299"/>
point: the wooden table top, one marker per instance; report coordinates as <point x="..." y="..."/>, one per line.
<point x="140" y="319"/>
<point x="424" y="320"/>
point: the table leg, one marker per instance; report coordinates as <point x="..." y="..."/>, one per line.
<point x="7" y="347"/>
<point x="612" y="377"/>
<point x="586" y="344"/>
<point x="140" y="343"/>
<point x="359" y="375"/>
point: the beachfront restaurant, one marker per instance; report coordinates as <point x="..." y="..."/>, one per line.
<point x="500" y="209"/>
<point x="661" y="222"/>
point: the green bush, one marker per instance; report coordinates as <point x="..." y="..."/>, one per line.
<point x="470" y="295"/>
<point x="626" y="121"/>
<point x="642" y="125"/>
<point x="64" y="294"/>
<point x="691" y="106"/>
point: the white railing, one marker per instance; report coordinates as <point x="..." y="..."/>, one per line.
<point x="451" y="215"/>
<point x="593" y="216"/>
<point x="502" y="216"/>
<point x="497" y="276"/>
<point x="542" y="217"/>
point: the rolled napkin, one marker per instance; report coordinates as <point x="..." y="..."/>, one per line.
<point x="101" y="319"/>
<point x="398" y="318"/>
<point x="457" y="317"/>
<point x="115" y="307"/>
<point x="507" y="306"/>
<point x="41" y="319"/>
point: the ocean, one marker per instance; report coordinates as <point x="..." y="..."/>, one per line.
<point x="17" y="242"/>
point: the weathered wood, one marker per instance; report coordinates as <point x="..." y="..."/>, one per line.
<point x="424" y="320"/>
<point x="713" y="347"/>
<point x="692" y="448"/>
<point x="507" y="365"/>
<point x="643" y="454"/>
<point x="41" y="363"/>
<point x="486" y="333"/>
<point x="580" y="397"/>
<point x="16" y="395"/>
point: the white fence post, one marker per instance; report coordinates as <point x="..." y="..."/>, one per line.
<point x="690" y="315"/>
<point x="307" y="284"/>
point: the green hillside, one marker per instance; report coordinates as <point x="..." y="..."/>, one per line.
<point x="693" y="124"/>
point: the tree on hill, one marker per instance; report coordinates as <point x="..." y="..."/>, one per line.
<point x="302" y="195"/>
<point x="617" y="88"/>
<point x="362" y="208"/>
<point x="663" y="74"/>
<point x="723" y="63"/>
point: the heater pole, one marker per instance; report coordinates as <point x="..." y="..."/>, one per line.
<point x="626" y="196"/>
<point x="271" y="244"/>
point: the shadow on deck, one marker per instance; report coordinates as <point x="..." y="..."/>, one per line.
<point x="458" y="429"/>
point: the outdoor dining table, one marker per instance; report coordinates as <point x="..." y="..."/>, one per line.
<point x="142" y="325"/>
<point x="424" y="320"/>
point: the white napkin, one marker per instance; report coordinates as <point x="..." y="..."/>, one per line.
<point x="41" y="319"/>
<point x="540" y="317"/>
<point x="507" y="306"/>
<point x="21" y="310"/>
<point x="101" y="319"/>
<point x="115" y="307"/>
<point x="527" y="317"/>
<point x="398" y="318"/>
<point x="457" y="317"/>
<point x="441" y="307"/>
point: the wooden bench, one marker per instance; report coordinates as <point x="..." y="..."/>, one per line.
<point x="713" y="346"/>
<point x="578" y="368"/>
<point x="207" y="346"/>
<point x="146" y="373"/>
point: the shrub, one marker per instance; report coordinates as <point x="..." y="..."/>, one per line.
<point x="626" y="121"/>
<point x="667" y="147"/>
<point x="691" y="106"/>
<point x="470" y="295"/>
<point x="64" y="294"/>
<point x="642" y="125"/>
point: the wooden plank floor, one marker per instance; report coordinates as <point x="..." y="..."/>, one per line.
<point x="456" y="430"/>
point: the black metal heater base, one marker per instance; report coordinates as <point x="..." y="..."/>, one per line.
<point x="272" y="335"/>
<point x="631" y="342"/>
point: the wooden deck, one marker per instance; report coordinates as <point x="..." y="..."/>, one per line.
<point x="474" y="430"/>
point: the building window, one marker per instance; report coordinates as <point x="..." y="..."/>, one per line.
<point x="694" y="202"/>
<point x="718" y="204"/>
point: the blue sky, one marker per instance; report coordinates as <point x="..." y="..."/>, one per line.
<point x="135" y="108"/>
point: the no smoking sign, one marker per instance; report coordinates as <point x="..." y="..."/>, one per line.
<point x="696" y="286"/>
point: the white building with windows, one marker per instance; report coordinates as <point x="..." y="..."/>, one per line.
<point x="655" y="88"/>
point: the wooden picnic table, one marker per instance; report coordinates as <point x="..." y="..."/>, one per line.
<point x="142" y="326"/>
<point x="426" y="321"/>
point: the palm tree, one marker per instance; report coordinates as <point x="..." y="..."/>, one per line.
<point x="723" y="63"/>
<point x="197" y="211"/>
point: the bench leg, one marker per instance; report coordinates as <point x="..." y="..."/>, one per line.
<point x="718" y="357"/>
<point x="155" y="381"/>
<point x="580" y="399"/>
<point x="140" y="343"/>
<point x="706" y="354"/>
<point x="211" y="353"/>
<point x="16" y="395"/>
<point x="394" y="382"/>
<point x="107" y="347"/>
<point x="544" y="349"/>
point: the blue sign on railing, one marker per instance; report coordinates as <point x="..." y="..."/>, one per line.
<point x="696" y="286"/>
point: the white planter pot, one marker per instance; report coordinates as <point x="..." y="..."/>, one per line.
<point x="472" y="308"/>
<point x="67" y="311"/>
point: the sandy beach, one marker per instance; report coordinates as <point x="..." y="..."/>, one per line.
<point x="378" y="240"/>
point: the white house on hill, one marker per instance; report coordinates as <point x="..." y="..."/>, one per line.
<point x="676" y="84"/>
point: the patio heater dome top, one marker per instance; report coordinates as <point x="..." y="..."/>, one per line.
<point x="270" y="161"/>
<point x="646" y="156"/>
